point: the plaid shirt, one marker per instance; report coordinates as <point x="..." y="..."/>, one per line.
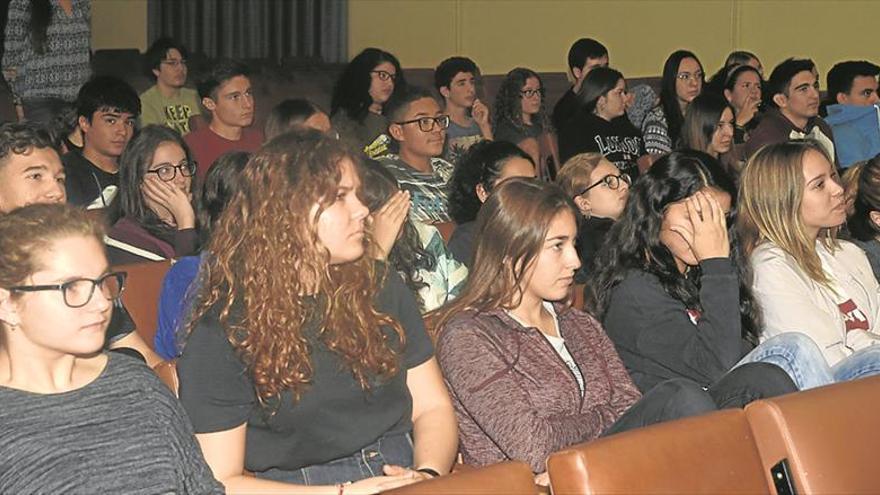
<point x="428" y="191"/>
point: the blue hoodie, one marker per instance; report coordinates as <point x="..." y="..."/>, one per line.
<point x="856" y="132"/>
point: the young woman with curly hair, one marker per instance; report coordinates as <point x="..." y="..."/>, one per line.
<point x="520" y="118"/>
<point x="307" y="363"/>
<point x="481" y="168"/>
<point x="671" y="287"/>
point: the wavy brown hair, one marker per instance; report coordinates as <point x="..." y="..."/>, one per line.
<point x="266" y="258"/>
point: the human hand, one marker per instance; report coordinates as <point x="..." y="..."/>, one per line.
<point x="748" y="111"/>
<point x="707" y="233"/>
<point x="171" y="199"/>
<point x="480" y="113"/>
<point x="542" y="479"/>
<point x="388" y="221"/>
<point x="395" y="476"/>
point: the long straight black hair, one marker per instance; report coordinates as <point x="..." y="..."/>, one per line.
<point x="668" y="95"/>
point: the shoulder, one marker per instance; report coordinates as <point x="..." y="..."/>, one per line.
<point x="850" y="253"/>
<point x="252" y="135"/>
<point x="469" y="325"/>
<point x="442" y="167"/>
<point x="149" y="94"/>
<point x="767" y="252"/>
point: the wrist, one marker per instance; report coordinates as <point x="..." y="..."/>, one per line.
<point x="429" y="471"/>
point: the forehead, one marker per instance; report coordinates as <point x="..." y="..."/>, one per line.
<point x="422" y="106"/>
<point x="802" y="77"/>
<point x="748" y="76"/>
<point x="563" y="224"/>
<point x="112" y="111"/>
<point x="462" y="75"/>
<point x="237" y="84"/>
<point x="32" y="157"/>
<point x="173" y="54"/>
<point x="603" y="168"/>
<point x="596" y="62"/>
<point x="865" y="82"/>
<point x="688" y="64"/>
<point x="387" y="67"/>
<point x="168" y="150"/>
<point x="532" y="82"/>
<point x="815" y="164"/>
<point x="726" y="114"/>
<point x="348" y="176"/>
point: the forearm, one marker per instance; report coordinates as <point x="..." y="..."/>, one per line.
<point x="720" y="323"/>
<point x="246" y="484"/>
<point x="435" y="440"/>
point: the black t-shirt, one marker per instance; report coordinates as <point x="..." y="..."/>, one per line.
<point x="565" y="108"/>
<point x="618" y="140"/>
<point x="85" y="181"/>
<point x="333" y="418"/>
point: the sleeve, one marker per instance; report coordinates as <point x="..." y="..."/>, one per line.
<point x="215" y="386"/>
<point x="185" y="242"/>
<point x="174" y="300"/>
<point x="624" y="392"/>
<point x="397" y="300"/>
<point x="16" y="34"/>
<point x="655" y="132"/>
<point x="704" y="351"/>
<point x="121" y="323"/>
<point x="484" y="383"/>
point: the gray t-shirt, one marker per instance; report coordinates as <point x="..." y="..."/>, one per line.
<point x="122" y="433"/>
<point x="459" y="139"/>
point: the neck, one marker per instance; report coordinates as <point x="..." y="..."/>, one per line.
<point x="376" y="108"/>
<point x="109" y="164"/>
<point x="527" y="118"/>
<point x="603" y="116"/>
<point x="458" y="114"/>
<point x="232" y="133"/>
<point x="167" y="91"/>
<point x="28" y="368"/>
<point x="683" y="105"/>
<point x="421" y="163"/>
<point x="812" y="234"/>
<point x="531" y="311"/>
<point x="798" y="121"/>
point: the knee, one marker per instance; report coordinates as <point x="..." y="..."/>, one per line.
<point x="800" y="344"/>
<point x="767" y="379"/>
<point x="686" y="397"/>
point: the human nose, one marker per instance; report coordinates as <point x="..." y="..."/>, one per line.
<point x="359" y="211"/>
<point x="874" y="98"/>
<point x="55" y="192"/>
<point x="573" y="261"/>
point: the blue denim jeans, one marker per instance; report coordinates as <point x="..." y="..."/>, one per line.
<point x="365" y="463"/>
<point x="801" y="358"/>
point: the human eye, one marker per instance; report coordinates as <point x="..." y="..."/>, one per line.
<point x="61" y="179"/>
<point x="35" y="176"/>
<point x="110" y="120"/>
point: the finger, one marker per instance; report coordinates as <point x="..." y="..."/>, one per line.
<point x="717" y="211"/>
<point x="694" y="210"/>
<point x="704" y="200"/>
<point x="394" y="470"/>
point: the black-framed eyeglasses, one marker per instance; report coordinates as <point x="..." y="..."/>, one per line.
<point x="168" y="171"/>
<point x="78" y="292"/>
<point x="384" y="75"/>
<point x="426" y="124"/>
<point x="612" y="181"/>
<point x="528" y="93"/>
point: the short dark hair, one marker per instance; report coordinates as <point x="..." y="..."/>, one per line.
<point x="157" y="53"/>
<point x="782" y="75"/>
<point x="106" y="92"/>
<point x="287" y="114"/>
<point x="222" y="71"/>
<point x="840" y="77"/>
<point x="399" y="105"/>
<point x="449" y="68"/>
<point x="221" y="183"/>
<point x="20" y="138"/>
<point x="597" y="84"/>
<point x="583" y="49"/>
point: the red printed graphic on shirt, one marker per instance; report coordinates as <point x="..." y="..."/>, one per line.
<point x="694" y="315"/>
<point x="853" y="317"/>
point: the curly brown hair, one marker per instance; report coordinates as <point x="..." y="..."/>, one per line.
<point x="266" y="260"/>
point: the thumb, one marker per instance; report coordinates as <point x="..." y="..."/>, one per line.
<point x="394" y="470"/>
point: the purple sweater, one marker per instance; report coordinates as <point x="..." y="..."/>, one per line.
<point x="514" y="396"/>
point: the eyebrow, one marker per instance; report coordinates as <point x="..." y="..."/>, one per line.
<point x="562" y="237"/>
<point x="33" y="168"/>
<point x="820" y="176"/>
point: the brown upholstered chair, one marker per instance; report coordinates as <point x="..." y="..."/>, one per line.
<point x="708" y="454"/>
<point x="829" y="436"/>
<point x="167" y="371"/>
<point x="446" y="229"/>
<point x="141" y="295"/>
<point x="506" y="478"/>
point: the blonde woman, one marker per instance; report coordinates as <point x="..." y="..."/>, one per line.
<point x="807" y="280"/>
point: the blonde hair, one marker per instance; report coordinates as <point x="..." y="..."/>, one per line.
<point x="574" y="176"/>
<point x="771" y="190"/>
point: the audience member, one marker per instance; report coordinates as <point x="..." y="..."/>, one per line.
<point x="864" y="222"/>
<point x="106" y="109"/>
<point x="600" y="125"/>
<point x="30" y="169"/>
<point x="742" y="88"/>
<point x="853" y="111"/>
<point x="683" y="79"/>
<point x="418" y="127"/>
<point x="178" y="291"/>
<point x="416" y="250"/>
<point x="599" y="190"/>
<point x="168" y="102"/>
<point x="227" y="96"/>
<point x="456" y="81"/>
<point x="807" y="280"/>
<point x="480" y="169"/>
<point x="673" y="295"/>
<point x="792" y="97"/>
<point x="46" y="54"/>
<point x="520" y="118"/>
<point x="290" y="371"/>
<point x="529" y="375"/>
<point x="296" y="114"/>
<point x="63" y="398"/>
<point x="155" y="200"/>
<point x="584" y="55"/>
<point x="368" y="82"/>
<point x="709" y="126"/>
<point x="740" y="57"/>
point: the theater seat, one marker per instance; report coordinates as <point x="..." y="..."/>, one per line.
<point x="829" y="435"/>
<point x="506" y="478"/>
<point x="446" y="229"/>
<point x="709" y="454"/>
<point x="141" y="295"/>
<point x="167" y="371"/>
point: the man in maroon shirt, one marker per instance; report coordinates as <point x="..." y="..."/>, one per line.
<point x="226" y="94"/>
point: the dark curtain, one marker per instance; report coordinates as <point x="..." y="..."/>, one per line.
<point x="247" y="29"/>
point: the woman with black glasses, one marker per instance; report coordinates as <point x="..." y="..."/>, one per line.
<point x="75" y="419"/>
<point x="599" y="190"/>
<point x="157" y="217"/>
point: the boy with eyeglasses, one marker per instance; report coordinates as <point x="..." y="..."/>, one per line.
<point x="168" y="102"/>
<point x="456" y="81"/>
<point x="418" y="127"/>
<point x="227" y="95"/>
<point x="107" y="108"/>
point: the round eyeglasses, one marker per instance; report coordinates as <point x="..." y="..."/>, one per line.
<point x="78" y="292"/>
<point x="168" y="171"/>
<point x="611" y="181"/>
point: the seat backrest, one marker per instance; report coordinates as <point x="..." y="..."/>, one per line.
<point x="141" y="295"/>
<point x="167" y="371"/>
<point x="829" y="435"/>
<point x="707" y="454"/>
<point x="506" y="478"/>
<point x="445" y="229"/>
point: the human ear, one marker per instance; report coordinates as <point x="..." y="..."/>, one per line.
<point x="583" y="205"/>
<point x="875" y="217"/>
<point x="8" y="311"/>
<point x="781" y="100"/>
<point x="209" y="103"/>
<point x="396" y="131"/>
<point x="84" y="123"/>
<point x="482" y="195"/>
<point x="444" y="91"/>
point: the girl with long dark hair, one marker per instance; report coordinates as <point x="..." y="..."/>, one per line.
<point x="683" y="80"/>
<point x="708" y="125"/>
